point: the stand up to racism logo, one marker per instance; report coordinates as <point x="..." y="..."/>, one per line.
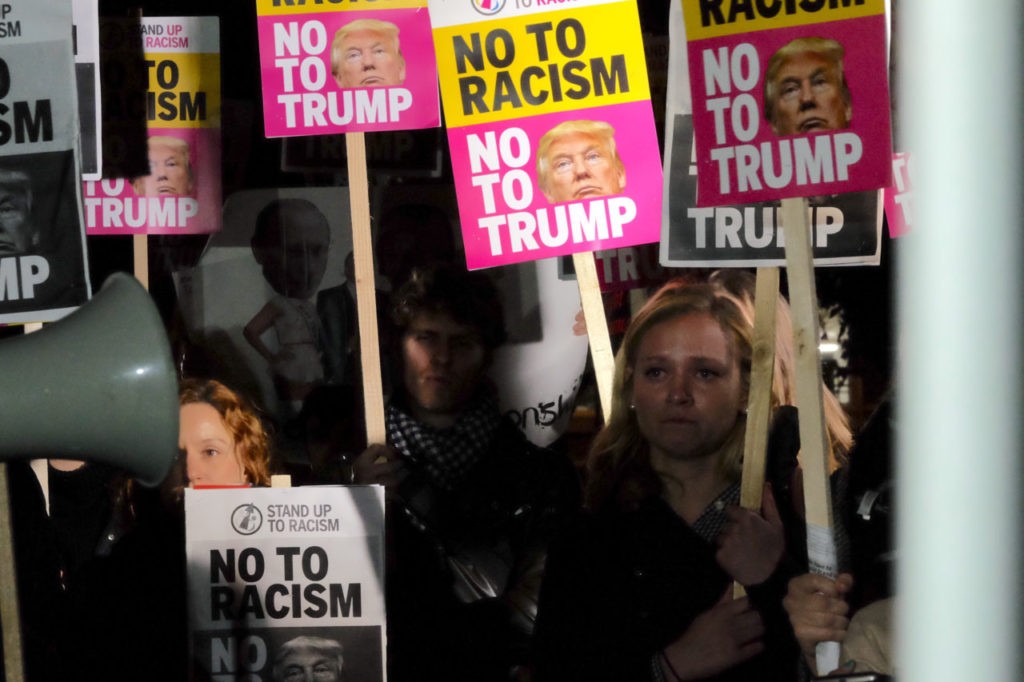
<point x="246" y="519"/>
<point x="488" y="7"/>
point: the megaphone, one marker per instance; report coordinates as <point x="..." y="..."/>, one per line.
<point x="98" y="385"/>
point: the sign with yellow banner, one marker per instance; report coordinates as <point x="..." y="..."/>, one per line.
<point x="553" y="144"/>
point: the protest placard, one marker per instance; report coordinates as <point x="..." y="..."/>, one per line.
<point x="339" y="68"/>
<point x="847" y="227"/>
<point x="899" y="197"/>
<point x="789" y="99"/>
<point x="85" y="14"/>
<point x="42" y="244"/>
<point x="277" y="573"/>
<point x="550" y="127"/>
<point x="182" y="192"/>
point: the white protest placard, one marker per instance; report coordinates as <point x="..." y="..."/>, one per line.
<point x="85" y="15"/>
<point x="42" y="244"/>
<point x="272" y="570"/>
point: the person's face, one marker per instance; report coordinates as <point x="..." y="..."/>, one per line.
<point x="15" y="220"/>
<point x="810" y="96"/>
<point x="443" y="363"/>
<point x="211" y="455"/>
<point x="309" y="666"/>
<point x="369" y="59"/>
<point x="687" y="390"/>
<point x="580" y="166"/>
<point x="168" y="172"/>
<point x="294" y="263"/>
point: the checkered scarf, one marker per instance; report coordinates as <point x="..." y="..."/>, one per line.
<point x="447" y="455"/>
<point x="710" y="523"/>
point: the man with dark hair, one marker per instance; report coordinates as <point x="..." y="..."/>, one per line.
<point x="473" y="503"/>
<point x="290" y="243"/>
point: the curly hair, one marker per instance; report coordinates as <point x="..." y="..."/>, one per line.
<point x="242" y="421"/>
<point x="469" y="298"/>
<point x="619" y="468"/>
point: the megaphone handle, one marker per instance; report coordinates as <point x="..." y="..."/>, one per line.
<point x="9" y="588"/>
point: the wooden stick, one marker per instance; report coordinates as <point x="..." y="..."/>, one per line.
<point x="140" y="251"/>
<point x="821" y="550"/>
<point x="597" y="328"/>
<point x="803" y="300"/>
<point x="759" y="401"/>
<point x="366" y="289"/>
<point x="9" y="613"/>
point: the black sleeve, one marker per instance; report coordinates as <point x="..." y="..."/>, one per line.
<point x="582" y="632"/>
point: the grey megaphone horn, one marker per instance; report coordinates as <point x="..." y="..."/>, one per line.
<point x="98" y="385"/>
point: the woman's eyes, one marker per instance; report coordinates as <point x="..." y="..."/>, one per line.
<point x="654" y="372"/>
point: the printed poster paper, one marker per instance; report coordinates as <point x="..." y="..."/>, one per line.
<point x="846" y="226"/>
<point x="85" y="14"/>
<point x="899" y="198"/>
<point x="789" y="99"/>
<point x="182" y="193"/>
<point x="349" y="67"/>
<point x="552" y="137"/>
<point x="233" y="282"/>
<point x="42" y="244"/>
<point x="273" y="570"/>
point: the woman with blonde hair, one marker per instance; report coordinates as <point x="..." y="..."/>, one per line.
<point x="738" y="285"/>
<point x="640" y="589"/>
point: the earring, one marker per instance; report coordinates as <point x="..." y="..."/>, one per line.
<point x="632" y="406"/>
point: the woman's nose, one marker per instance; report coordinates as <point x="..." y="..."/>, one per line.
<point x="679" y="390"/>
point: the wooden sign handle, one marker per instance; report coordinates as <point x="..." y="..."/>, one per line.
<point x="366" y="289"/>
<point x="140" y="258"/>
<point x="597" y="328"/>
<point x="9" y="613"/>
<point x="814" y="450"/>
<point x="759" y="401"/>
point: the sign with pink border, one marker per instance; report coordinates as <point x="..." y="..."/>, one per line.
<point x="899" y="197"/>
<point x="340" y="68"/>
<point x="552" y="137"/>
<point x="790" y="102"/>
<point x="182" y="193"/>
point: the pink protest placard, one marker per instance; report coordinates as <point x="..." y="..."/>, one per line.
<point x="552" y="137"/>
<point x="181" y="196"/>
<point x="515" y="216"/>
<point x="343" y="68"/>
<point x="899" y="197"/>
<point x="789" y="102"/>
<point x="182" y="192"/>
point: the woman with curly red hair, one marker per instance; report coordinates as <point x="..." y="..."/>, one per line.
<point x="221" y="436"/>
